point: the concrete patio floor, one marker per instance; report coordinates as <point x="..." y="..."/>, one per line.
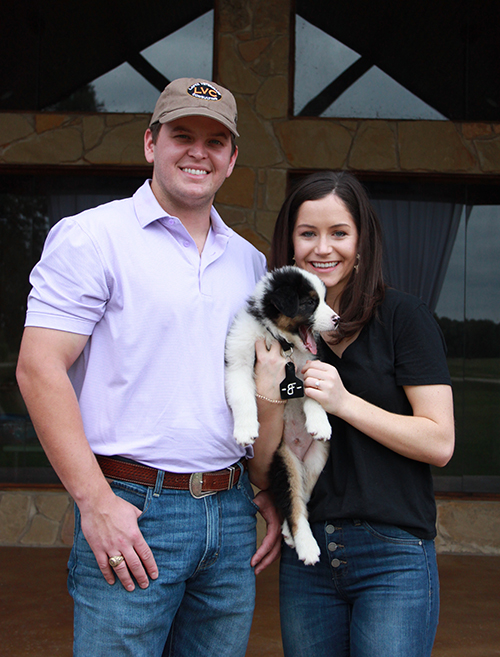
<point x="36" y="610"/>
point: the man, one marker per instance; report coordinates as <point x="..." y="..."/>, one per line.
<point x="123" y="357"/>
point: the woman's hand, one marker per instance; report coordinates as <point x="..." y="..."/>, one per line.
<point x="323" y="384"/>
<point x="428" y="435"/>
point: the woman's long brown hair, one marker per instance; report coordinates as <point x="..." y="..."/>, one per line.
<point x="365" y="288"/>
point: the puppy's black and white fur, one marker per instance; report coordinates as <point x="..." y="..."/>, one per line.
<point x="288" y="305"/>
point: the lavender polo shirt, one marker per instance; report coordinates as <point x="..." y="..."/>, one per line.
<point x="150" y="381"/>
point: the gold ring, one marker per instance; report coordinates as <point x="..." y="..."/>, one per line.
<point x="115" y="561"/>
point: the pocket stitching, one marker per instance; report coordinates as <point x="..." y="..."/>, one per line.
<point x="391" y="539"/>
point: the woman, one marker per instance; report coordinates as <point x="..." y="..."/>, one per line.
<point x="384" y="381"/>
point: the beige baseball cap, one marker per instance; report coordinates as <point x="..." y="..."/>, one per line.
<point x="195" y="97"/>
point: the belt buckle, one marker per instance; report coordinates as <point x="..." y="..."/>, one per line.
<point x="196" y="485"/>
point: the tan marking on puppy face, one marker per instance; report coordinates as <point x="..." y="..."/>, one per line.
<point x="291" y="324"/>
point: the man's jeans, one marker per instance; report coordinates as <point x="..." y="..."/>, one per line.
<point x="202" y="602"/>
<point x="374" y="593"/>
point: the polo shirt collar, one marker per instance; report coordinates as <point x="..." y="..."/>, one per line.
<point x="148" y="210"/>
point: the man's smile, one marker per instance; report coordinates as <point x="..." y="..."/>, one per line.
<point x="194" y="172"/>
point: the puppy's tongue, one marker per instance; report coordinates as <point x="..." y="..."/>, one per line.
<point x="308" y="340"/>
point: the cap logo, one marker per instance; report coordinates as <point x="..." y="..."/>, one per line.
<point x="204" y="91"/>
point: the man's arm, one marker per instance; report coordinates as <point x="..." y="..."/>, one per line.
<point x="108" y="522"/>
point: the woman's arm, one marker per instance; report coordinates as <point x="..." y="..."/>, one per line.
<point x="269" y="372"/>
<point x="428" y="435"/>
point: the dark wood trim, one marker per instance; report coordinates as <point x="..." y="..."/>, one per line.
<point x="291" y="60"/>
<point x="76" y="170"/>
<point x="28" y="487"/>
<point x="215" y="43"/>
<point x="472" y="497"/>
<point x="406" y="176"/>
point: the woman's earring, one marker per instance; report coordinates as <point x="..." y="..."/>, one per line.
<point x="356" y="266"/>
<point x="293" y="258"/>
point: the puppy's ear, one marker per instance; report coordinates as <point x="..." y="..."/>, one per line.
<point x="286" y="300"/>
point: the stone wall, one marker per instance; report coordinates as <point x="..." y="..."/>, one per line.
<point x="468" y="527"/>
<point x="250" y="199"/>
<point x="41" y="517"/>
<point x="45" y="518"/>
<point x="463" y="527"/>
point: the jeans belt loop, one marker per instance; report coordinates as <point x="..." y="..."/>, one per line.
<point x="232" y="470"/>
<point x="159" y="483"/>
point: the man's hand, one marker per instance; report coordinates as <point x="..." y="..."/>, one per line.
<point x="108" y="522"/>
<point x="111" y="531"/>
<point x="269" y="549"/>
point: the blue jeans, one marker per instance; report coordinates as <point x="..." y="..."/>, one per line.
<point x="374" y="593"/>
<point x="202" y="602"/>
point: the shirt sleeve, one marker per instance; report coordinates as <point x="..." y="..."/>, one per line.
<point x="69" y="284"/>
<point x="420" y="348"/>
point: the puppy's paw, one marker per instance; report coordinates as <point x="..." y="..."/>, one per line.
<point x="305" y="544"/>
<point x="308" y="550"/>
<point x="317" y="423"/>
<point x="246" y="433"/>
<point x="243" y="439"/>
<point x="319" y="427"/>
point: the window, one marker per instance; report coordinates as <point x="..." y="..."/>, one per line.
<point x="469" y="314"/>
<point x="126" y="89"/>
<point x="397" y="60"/>
<point x="69" y="57"/>
<point x="332" y="80"/>
<point x="29" y="206"/>
<point x="442" y="243"/>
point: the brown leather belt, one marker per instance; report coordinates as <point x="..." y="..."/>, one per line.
<point x="199" y="484"/>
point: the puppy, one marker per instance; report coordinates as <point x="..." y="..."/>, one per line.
<point x="288" y="305"/>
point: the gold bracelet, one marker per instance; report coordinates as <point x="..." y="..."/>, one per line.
<point x="272" y="401"/>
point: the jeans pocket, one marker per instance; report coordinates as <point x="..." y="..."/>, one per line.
<point x="391" y="533"/>
<point x="136" y="494"/>
<point x="245" y="488"/>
